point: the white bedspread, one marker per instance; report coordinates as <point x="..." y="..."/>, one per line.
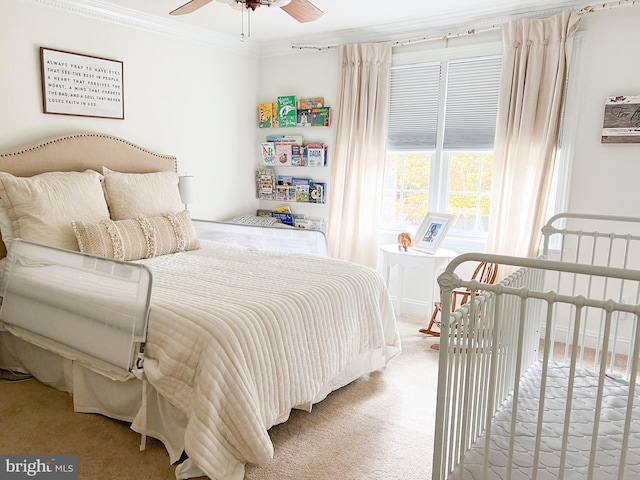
<point x="580" y="432"/>
<point x="238" y="337"/>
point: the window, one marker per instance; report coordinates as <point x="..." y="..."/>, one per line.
<point x="440" y="147"/>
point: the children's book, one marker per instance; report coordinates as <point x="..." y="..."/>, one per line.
<point x="304" y="117"/>
<point x="283" y="154"/>
<point x="302" y="223"/>
<point x="268" y="152"/>
<point x="283" y="209"/>
<point x="297" y="158"/>
<point x="287" y="110"/>
<point x="310" y="102"/>
<point x="282" y="193"/>
<point x="316" y="154"/>
<point x="286" y="218"/>
<point x="321" y="117"/>
<point x="275" y="118"/>
<point x="302" y="193"/>
<point x="300" y="181"/>
<point x="285" y="180"/>
<point x="292" y="139"/>
<point x="316" y="193"/>
<point x="266" y="184"/>
<point x="265" y="115"/>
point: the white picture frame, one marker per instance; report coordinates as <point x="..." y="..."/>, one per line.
<point x="432" y="231"/>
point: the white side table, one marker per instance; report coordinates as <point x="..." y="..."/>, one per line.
<point x="430" y="263"/>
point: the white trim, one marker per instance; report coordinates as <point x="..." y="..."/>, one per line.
<point x="106" y="12"/>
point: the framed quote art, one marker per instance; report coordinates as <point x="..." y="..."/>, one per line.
<point x="77" y="84"/>
<point x="432" y="231"/>
<point x="621" y="119"/>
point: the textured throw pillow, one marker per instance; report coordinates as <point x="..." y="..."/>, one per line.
<point x="136" y="238"/>
<point x="41" y="208"/>
<point x="131" y="195"/>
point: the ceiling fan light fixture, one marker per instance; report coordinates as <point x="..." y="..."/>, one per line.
<point x="276" y="3"/>
<point x="234" y="4"/>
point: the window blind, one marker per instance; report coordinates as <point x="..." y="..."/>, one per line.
<point x="413" y="114"/>
<point x="472" y="103"/>
<point x="470" y="110"/>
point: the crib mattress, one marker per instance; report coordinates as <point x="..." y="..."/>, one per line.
<point x="580" y="436"/>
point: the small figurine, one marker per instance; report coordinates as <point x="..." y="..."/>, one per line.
<point x="404" y="241"/>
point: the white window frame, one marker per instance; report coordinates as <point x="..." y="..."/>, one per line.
<point x="438" y="181"/>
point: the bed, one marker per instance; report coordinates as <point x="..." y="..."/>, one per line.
<point x="538" y="375"/>
<point x="201" y="334"/>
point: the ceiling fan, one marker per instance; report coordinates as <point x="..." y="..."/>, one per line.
<point x="302" y="10"/>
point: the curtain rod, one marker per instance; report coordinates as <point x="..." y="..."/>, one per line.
<point x="472" y="31"/>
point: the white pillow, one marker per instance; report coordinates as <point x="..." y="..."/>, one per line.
<point x="136" y="238"/>
<point x="41" y="208"/>
<point x="131" y="195"/>
<point x="6" y="230"/>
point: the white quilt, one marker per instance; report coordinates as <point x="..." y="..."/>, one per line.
<point x="238" y="337"/>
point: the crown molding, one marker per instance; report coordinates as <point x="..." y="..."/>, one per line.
<point x="436" y="25"/>
<point x="152" y="24"/>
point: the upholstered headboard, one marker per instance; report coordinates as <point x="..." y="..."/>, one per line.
<point x="80" y="152"/>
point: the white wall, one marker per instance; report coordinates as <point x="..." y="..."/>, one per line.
<point x="605" y="176"/>
<point x="181" y="98"/>
<point x="309" y="73"/>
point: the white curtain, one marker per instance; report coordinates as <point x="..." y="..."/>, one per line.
<point x="359" y="151"/>
<point x="534" y="67"/>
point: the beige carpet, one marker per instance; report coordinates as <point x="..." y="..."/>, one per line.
<point x="377" y="428"/>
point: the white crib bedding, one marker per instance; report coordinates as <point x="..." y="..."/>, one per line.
<point x="580" y="433"/>
<point x="238" y="337"/>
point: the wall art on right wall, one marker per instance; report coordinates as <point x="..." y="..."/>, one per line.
<point x="621" y="120"/>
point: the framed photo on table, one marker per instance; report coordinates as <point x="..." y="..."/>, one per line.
<point x="432" y="231"/>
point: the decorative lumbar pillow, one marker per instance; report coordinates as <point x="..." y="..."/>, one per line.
<point x="41" y="208"/>
<point x="131" y="195"/>
<point x="137" y="238"/>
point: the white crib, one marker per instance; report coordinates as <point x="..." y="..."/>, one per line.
<point x="537" y="375"/>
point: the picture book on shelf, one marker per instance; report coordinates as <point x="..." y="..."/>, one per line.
<point x="302" y="193"/>
<point x="268" y="152"/>
<point x="265" y="115"/>
<point x="310" y="102"/>
<point x="287" y="110"/>
<point x="298" y="158"/>
<point x="285" y="180"/>
<point x="316" y="154"/>
<point x="300" y="181"/>
<point x="321" y="117"/>
<point x="275" y="117"/>
<point x="283" y="154"/>
<point x="316" y="193"/>
<point x="282" y="193"/>
<point x="266" y="184"/>
<point x="291" y="139"/>
<point x="304" y="117"/>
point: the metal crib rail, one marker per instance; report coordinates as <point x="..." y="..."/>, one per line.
<point x="488" y="344"/>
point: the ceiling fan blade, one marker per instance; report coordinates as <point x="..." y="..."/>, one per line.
<point x="189" y="7"/>
<point x="303" y="10"/>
